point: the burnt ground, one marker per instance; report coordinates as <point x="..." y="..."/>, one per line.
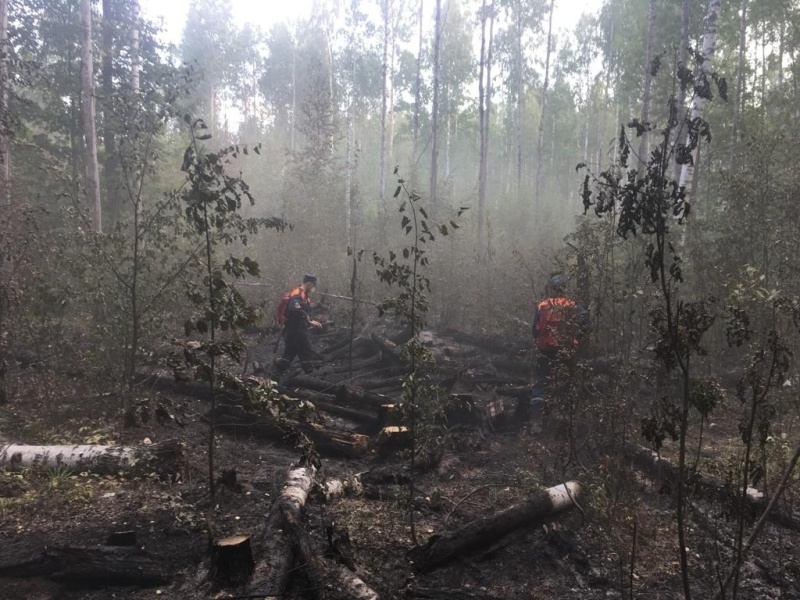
<point x="619" y="543"/>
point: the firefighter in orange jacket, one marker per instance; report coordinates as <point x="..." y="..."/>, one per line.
<point x="558" y="324"/>
<point x="298" y="319"/>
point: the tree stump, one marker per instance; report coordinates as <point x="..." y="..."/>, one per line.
<point x="231" y="561"/>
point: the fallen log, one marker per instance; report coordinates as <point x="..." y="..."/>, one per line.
<point x="165" y="458"/>
<point x="280" y="552"/>
<point x="342" y="350"/>
<point x="345" y="368"/>
<point x="511" y="366"/>
<point x="658" y="467"/>
<point x="349" y="394"/>
<point x="85" y="567"/>
<point x="389" y="349"/>
<point x="499" y="345"/>
<point x="421" y="593"/>
<point x="291" y="504"/>
<point x="482" y="532"/>
<point x="329" y="442"/>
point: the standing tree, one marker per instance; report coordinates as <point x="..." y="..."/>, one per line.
<point x="88" y="107"/>
<point x="437" y="42"/>
<point x="648" y="202"/>
<point x="540" y="142"/>
<point x="5" y="158"/>
<point x="702" y="88"/>
<point x="213" y="201"/>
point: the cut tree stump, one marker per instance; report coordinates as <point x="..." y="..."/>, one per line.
<point x="85" y="567"/>
<point x="231" y="561"/>
<point x="451" y="544"/>
<point x="164" y="458"/>
<point x="393" y="438"/>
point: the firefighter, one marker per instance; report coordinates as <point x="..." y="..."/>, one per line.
<point x="297" y="315"/>
<point x="558" y="324"/>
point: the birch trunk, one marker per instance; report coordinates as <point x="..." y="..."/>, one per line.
<point x="5" y="155"/>
<point x="683" y="57"/>
<point x="644" y="143"/>
<point x="704" y="74"/>
<point x="384" y="104"/>
<point x="164" y="457"/>
<point x="89" y="128"/>
<point x="136" y="59"/>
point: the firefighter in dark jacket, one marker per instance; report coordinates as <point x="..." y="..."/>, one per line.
<point x="558" y="324"/>
<point x="298" y="320"/>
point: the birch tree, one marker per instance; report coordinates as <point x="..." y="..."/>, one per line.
<point x="5" y="157"/>
<point x="703" y="84"/>
<point x="644" y="145"/>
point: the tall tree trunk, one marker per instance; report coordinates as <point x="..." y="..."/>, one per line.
<point x="417" y="101"/>
<point x="136" y="59"/>
<point x="447" y="126"/>
<point x="520" y="101"/>
<point x="5" y="154"/>
<point x="683" y="58"/>
<point x="737" y="104"/>
<point x="107" y="76"/>
<point x="437" y="42"/>
<point x="487" y="110"/>
<point x="644" y="143"/>
<point x="481" y="119"/>
<point x="89" y="130"/>
<point x="386" y="7"/>
<point x="293" y="131"/>
<point x="540" y="142"/>
<point x="392" y="49"/>
<point x="699" y="104"/>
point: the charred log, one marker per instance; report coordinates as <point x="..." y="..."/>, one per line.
<point x="483" y="532"/>
<point x="329" y="442"/>
<point x="85" y="567"/>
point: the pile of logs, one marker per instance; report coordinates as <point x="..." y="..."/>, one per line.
<point x="285" y="542"/>
<point x="357" y="389"/>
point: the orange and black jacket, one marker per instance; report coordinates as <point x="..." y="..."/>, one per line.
<point x="556" y="318"/>
<point x="298" y="311"/>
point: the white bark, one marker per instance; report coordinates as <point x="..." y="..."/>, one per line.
<point x="644" y="144"/>
<point x="5" y="186"/>
<point x="83" y="457"/>
<point x="136" y="60"/>
<point x="699" y="104"/>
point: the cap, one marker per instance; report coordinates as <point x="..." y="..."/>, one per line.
<point x="309" y="278"/>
